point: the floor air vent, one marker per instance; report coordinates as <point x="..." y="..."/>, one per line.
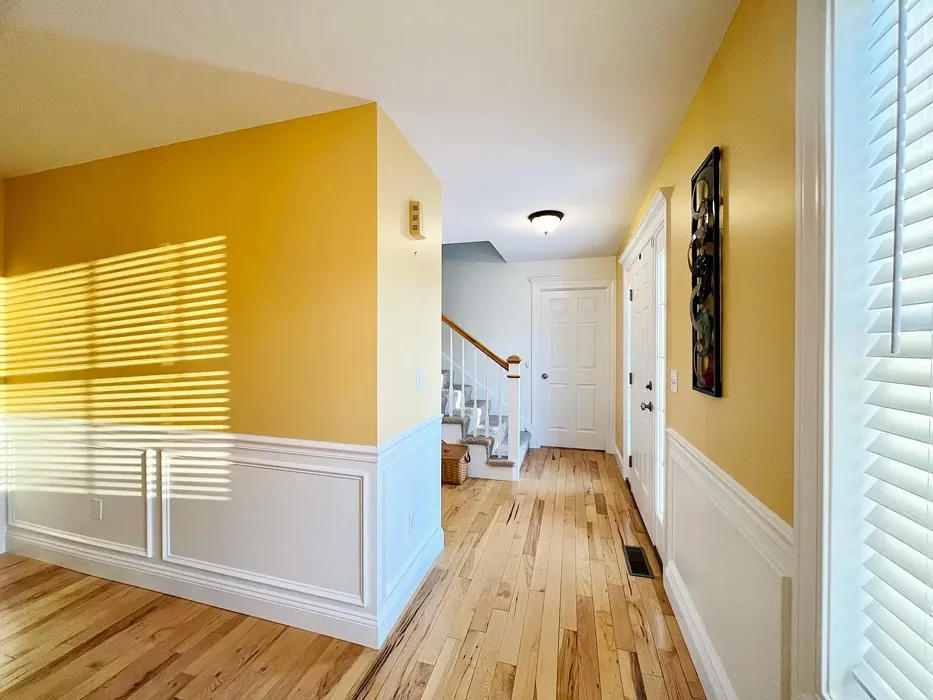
<point x="636" y="559"/>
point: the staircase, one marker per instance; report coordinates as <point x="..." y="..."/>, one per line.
<point x="480" y="403"/>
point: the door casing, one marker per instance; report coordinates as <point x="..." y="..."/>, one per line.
<point x="653" y="227"/>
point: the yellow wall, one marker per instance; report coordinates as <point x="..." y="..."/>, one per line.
<point x="409" y="307"/>
<point x="746" y="105"/>
<point x="2" y="218"/>
<point x="297" y="205"/>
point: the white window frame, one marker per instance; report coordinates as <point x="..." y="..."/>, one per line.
<point x="813" y="221"/>
<point x="810" y="628"/>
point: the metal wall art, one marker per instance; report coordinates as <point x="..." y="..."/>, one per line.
<point x="704" y="260"/>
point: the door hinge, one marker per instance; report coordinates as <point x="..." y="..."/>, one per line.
<point x="629" y="377"/>
<point x="630" y="461"/>
<point x="631" y="295"/>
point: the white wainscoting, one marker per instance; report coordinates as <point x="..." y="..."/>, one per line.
<point x="2" y="517"/>
<point x="410" y="535"/>
<point x="277" y="528"/>
<point x="728" y="574"/>
<point x="3" y="489"/>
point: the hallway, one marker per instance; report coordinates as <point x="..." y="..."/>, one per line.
<point x="530" y="599"/>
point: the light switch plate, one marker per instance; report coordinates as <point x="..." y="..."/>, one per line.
<point x="673" y="381"/>
<point x="97" y="508"/>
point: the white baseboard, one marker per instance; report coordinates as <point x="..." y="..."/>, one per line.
<point x="223" y="592"/>
<point x="713" y="676"/>
<point x="332" y="538"/>
<point x="728" y="568"/>
<point x="621" y="462"/>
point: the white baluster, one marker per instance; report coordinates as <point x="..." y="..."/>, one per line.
<point x="486" y="430"/>
<point x="463" y="394"/>
<point x="475" y="391"/>
<point x="515" y="428"/>
<point x="450" y="385"/>
<point x="499" y="413"/>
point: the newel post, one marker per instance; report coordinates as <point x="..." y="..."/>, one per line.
<point x="515" y="413"/>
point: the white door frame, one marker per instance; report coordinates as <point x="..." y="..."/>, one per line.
<point x="653" y="226"/>
<point x="539" y="285"/>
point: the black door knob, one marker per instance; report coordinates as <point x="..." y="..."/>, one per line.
<point x="544" y="376"/>
<point x="647" y="406"/>
<point x="649" y="386"/>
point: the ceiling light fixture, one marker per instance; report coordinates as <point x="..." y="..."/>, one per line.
<point x="546" y="220"/>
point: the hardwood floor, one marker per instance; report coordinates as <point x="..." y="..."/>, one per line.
<point x="530" y="599"/>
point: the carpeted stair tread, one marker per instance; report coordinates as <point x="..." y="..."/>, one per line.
<point x="473" y="409"/>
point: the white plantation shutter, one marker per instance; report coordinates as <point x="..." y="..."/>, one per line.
<point x="897" y="548"/>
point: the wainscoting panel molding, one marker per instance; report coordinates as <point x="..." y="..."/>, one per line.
<point x="728" y="573"/>
<point x="280" y="529"/>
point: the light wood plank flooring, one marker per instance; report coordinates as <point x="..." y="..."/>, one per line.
<point x="529" y="600"/>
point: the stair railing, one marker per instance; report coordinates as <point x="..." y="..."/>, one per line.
<point x="472" y="370"/>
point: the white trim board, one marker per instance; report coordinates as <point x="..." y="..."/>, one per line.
<point x="621" y="462"/>
<point x="735" y="615"/>
<point x="653" y="222"/>
<point x="813" y="217"/>
<point x="542" y="284"/>
<point x="226" y="550"/>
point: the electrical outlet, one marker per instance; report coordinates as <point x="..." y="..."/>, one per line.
<point x="411" y="521"/>
<point x="673" y="381"/>
<point x="419" y="378"/>
<point x="97" y="508"/>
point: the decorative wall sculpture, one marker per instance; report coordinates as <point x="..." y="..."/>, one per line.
<point x="703" y="257"/>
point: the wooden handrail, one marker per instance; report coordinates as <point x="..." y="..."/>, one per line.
<point x="477" y="344"/>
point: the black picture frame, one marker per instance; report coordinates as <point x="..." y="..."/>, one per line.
<point x="704" y="257"/>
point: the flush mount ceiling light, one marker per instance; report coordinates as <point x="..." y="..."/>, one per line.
<point x="546" y="220"/>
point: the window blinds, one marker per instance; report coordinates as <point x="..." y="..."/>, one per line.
<point x="898" y="579"/>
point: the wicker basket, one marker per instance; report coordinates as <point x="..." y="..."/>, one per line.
<point x="454" y="461"/>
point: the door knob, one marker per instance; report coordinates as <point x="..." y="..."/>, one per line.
<point x="544" y="376"/>
<point x="649" y="386"/>
<point x="647" y="406"/>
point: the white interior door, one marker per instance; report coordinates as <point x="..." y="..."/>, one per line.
<point x="644" y="390"/>
<point x="573" y="369"/>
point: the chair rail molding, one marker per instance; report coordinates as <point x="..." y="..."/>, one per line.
<point x="813" y="207"/>
<point x="761" y="527"/>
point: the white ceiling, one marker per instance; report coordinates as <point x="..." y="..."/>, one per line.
<point x="66" y="100"/>
<point x="517" y="105"/>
